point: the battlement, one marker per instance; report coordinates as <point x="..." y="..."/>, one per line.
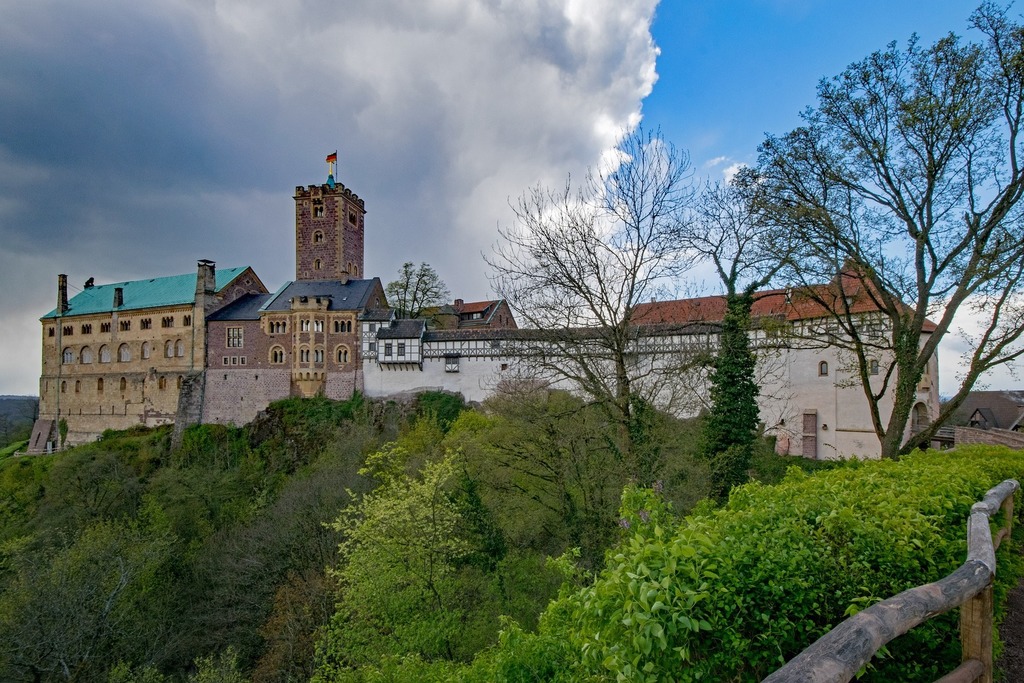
<point x="326" y="190"/>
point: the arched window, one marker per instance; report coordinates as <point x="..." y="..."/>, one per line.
<point x="169" y="349"/>
<point x="873" y="366"/>
<point x="146" y="350"/>
<point x="180" y="346"/>
<point x="68" y="357"/>
<point x="86" y="355"/>
<point x="316" y="264"/>
<point x="318" y="237"/>
<point x="303" y="355"/>
<point x="342" y="354"/>
<point x="277" y="355"/>
<point x="99" y="385"/>
<point x="823" y="368"/>
<point x="318" y="356"/>
<point x="348" y="326"/>
<point x="124" y="384"/>
<point x="318" y="325"/>
<point x="78" y="385"/>
<point x="63" y="387"/>
<point x="304" y="326"/>
<point x="124" y="354"/>
<point x="104" y="354"/>
<point x="162" y="383"/>
<point x="179" y="382"/>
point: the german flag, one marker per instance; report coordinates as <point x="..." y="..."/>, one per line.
<point x="333" y="156"/>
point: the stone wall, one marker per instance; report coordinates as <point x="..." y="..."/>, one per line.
<point x="236" y="396"/>
<point x="993" y="437"/>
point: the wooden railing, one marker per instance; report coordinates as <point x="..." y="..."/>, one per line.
<point x="837" y="656"/>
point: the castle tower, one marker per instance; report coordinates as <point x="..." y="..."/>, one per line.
<point x="328" y="230"/>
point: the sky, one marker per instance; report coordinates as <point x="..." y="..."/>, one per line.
<point x="139" y="137"/>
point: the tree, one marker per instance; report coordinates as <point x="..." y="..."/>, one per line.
<point x="906" y="178"/>
<point x="416" y="289"/>
<point x="747" y="251"/>
<point x="576" y="262"/>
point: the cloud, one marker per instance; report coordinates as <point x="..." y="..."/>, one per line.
<point x="140" y="137"/>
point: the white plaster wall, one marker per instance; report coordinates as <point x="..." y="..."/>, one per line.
<point x="475" y="380"/>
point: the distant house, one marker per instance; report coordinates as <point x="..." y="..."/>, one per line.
<point x="493" y="314"/>
<point x="992" y="410"/>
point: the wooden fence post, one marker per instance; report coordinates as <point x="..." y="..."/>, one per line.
<point x="976" y="631"/>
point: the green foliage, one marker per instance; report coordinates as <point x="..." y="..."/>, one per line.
<point x="730" y="426"/>
<point x="731" y="593"/>
<point x="441" y="406"/>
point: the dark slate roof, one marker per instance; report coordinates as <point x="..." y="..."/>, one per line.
<point x="1004" y="409"/>
<point x="377" y="315"/>
<point x="173" y="290"/>
<point x="353" y="295"/>
<point x="402" y="329"/>
<point x="246" y="307"/>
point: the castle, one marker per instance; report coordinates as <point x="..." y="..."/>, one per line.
<point x="218" y="346"/>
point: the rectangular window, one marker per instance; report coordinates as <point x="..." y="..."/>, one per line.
<point x="373" y="347"/>
<point x="234" y="337"/>
<point x="401" y="349"/>
<point x="234" y="360"/>
<point x="241" y="360"/>
<point x="225" y="360"/>
<point x="387" y="349"/>
<point x="451" y="364"/>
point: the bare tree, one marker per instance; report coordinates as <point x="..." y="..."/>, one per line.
<point x="578" y="260"/>
<point x="907" y="179"/>
<point x="417" y="288"/>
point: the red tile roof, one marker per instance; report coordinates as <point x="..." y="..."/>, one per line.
<point x="788" y="304"/>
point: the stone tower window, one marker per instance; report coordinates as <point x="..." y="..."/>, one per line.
<point x="318" y="237"/>
<point x="146" y="323"/>
<point x="342" y="354"/>
<point x="318" y="211"/>
<point x="104" y="354"/>
<point x="316" y="264"/>
<point x="126" y="325"/>
<point x="180" y="347"/>
<point x="104" y="327"/>
<point x="823" y="368"/>
<point x="68" y="357"/>
<point x="162" y="383"/>
<point x="169" y="349"/>
<point x="87" y="328"/>
<point x="99" y="385"/>
<point x="277" y="355"/>
<point x="187" y="321"/>
<point x="124" y="384"/>
<point x="167" y="321"/>
<point x="86" y="355"/>
<point x="146" y="350"/>
<point x="124" y="354"/>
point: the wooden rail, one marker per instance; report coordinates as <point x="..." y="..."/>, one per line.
<point x="838" y="655"/>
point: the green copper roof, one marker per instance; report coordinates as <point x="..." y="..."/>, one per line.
<point x="158" y="291"/>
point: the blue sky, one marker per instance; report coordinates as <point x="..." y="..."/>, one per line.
<point x="137" y="138"/>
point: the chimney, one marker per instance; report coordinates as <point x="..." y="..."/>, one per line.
<point x="118" y="297"/>
<point x="62" y="294"/>
<point x="458" y="304"/>
<point x="206" y="277"/>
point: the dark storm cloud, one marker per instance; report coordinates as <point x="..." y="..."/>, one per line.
<point x="138" y="137"/>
